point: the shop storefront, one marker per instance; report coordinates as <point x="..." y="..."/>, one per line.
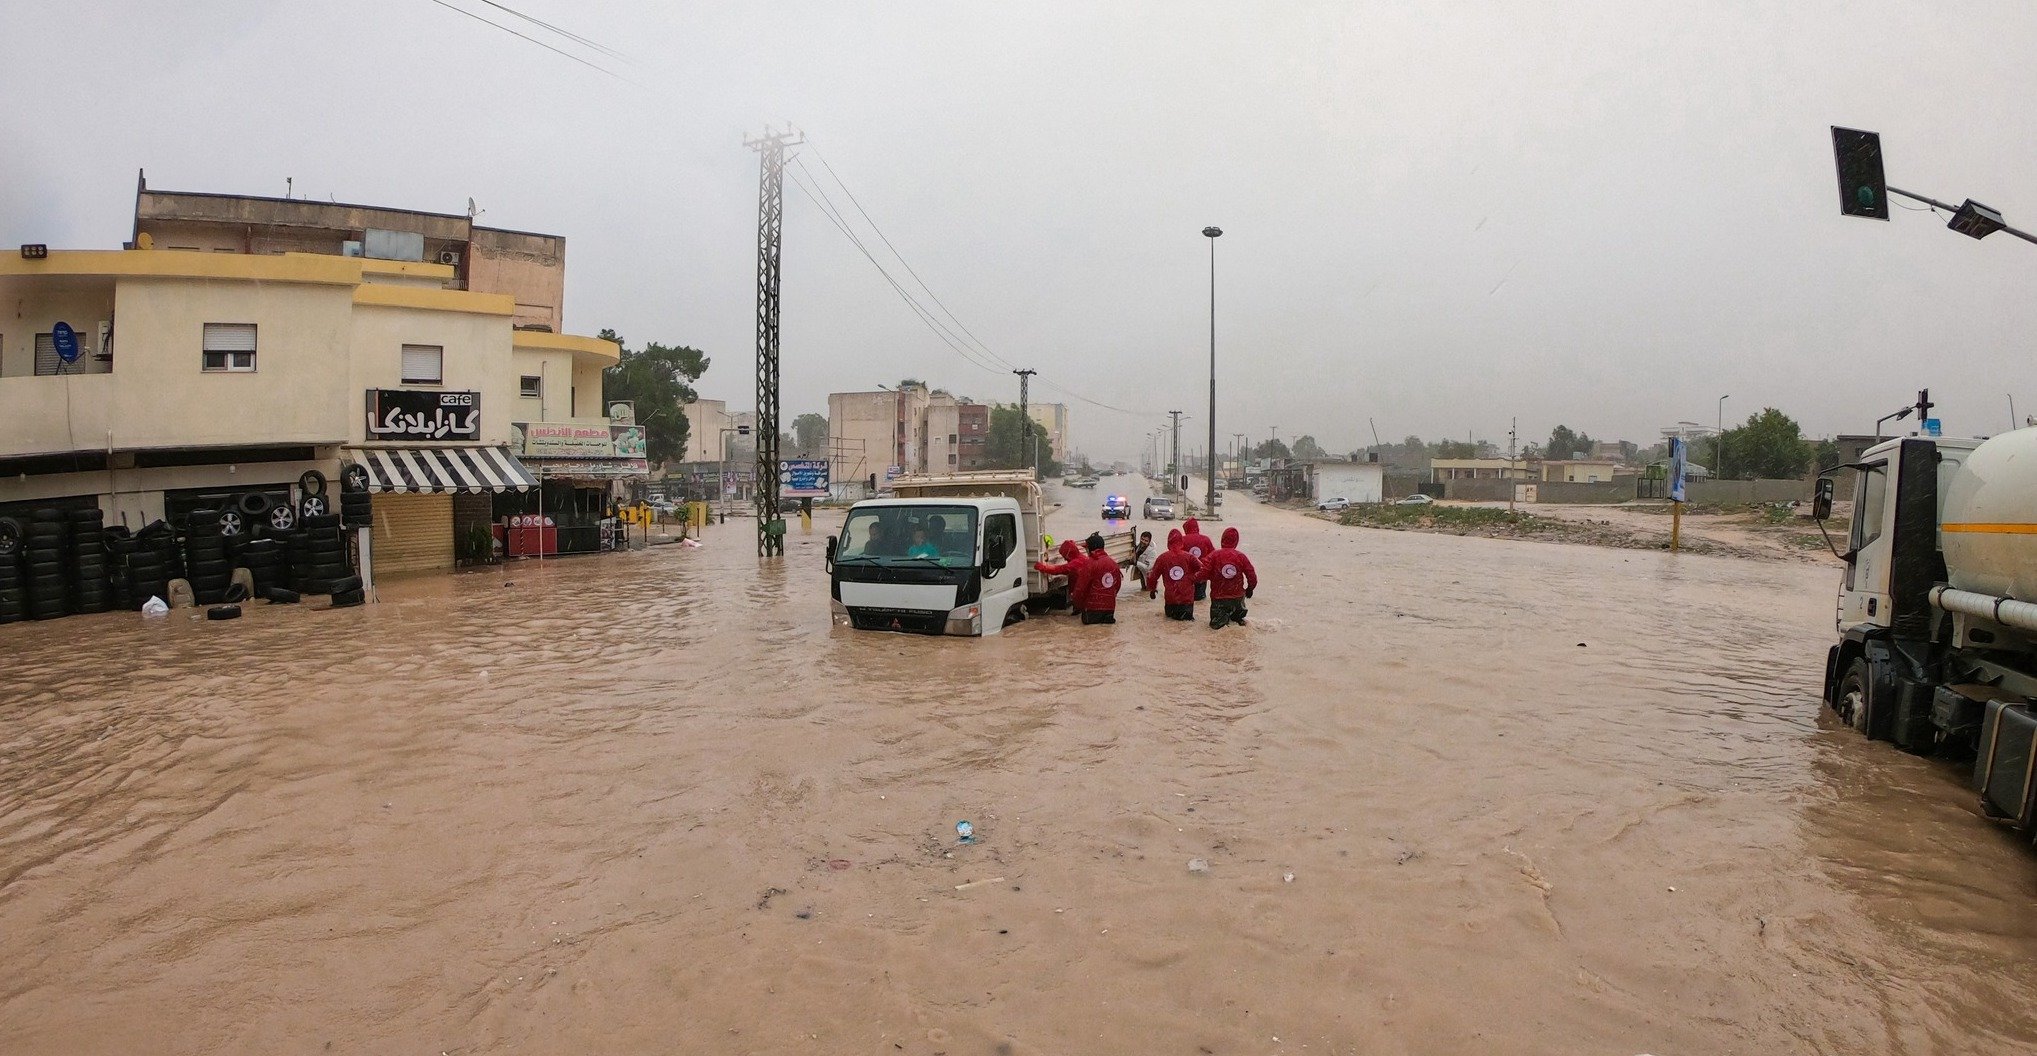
<point x="432" y="482"/>
<point x="584" y="471"/>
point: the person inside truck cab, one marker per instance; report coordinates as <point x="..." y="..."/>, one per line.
<point x="920" y="546"/>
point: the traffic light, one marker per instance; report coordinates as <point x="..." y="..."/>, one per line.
<point x="1975" y="220"/>
<point x="1863" y="190"/>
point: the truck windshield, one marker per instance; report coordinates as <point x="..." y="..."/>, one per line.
<point x="910" y="535"/>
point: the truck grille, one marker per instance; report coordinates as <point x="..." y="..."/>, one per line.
<point x="910" y="621"/>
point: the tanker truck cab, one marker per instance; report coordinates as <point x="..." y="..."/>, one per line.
<point x="929" y="566"/>
<point x="1937" y="609"/>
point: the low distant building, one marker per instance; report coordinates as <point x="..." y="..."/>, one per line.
<point x="1445" y="469"/>
<point x="1578" y="470"/>
<point x="1337" y="478"/>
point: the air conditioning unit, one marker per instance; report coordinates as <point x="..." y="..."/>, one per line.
<point x="352" y="248"/>
<point x="105" y="340"/>
<point x="448" y="256"/>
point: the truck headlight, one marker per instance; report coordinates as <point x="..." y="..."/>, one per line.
<point x="841" y="613"/>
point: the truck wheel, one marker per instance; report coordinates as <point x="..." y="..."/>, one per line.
<point x="1854" y="703"/>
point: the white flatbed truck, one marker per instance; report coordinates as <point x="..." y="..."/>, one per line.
<point x="948" y="554"/>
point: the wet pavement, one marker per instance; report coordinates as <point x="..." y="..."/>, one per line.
<point x="1534" y="798"/>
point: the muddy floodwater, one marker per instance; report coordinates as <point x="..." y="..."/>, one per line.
<point x="1532" y="798"/>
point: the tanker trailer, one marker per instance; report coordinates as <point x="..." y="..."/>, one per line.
<point x="1937" y="609"/>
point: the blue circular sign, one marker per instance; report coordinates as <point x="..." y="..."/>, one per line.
<point x="66" y="340"/>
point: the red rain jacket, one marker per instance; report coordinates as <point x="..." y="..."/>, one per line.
<point x="1177" y="570"/>
<point x="1075" y="565"/>
<point x="1193" y="541"/>
<point x="1105" y="580"/>
<point x="1228" y="571"/>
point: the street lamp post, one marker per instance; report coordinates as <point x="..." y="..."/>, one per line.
<point x="721" y="479"/>
<point x="1209" y="471"/>
<point x="1719" y="456"/>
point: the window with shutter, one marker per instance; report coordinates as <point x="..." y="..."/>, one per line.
<point x="229" y="347"/>
<point x="424" y="364"/>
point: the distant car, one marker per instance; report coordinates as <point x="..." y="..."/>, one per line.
<point x="1160" y="509"/>
<point x="1334" y="504"/>
<point x="1083" y="482"/>
<point x="1117" y="508"/>
<point x="663" y="506"/>
<point x="1416" y="499"/>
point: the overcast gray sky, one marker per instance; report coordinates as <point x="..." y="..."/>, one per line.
<point x="1436" y="215"/>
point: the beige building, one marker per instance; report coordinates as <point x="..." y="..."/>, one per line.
<point x="705" y="422"/>
<point x="529" y="268"/>
<point x="1442" y="469"/>
<point x="205" y="375"/>
<point x="1053" y="421"/>
<point x="864" y="436"/>
<point x="1579" y="470"/>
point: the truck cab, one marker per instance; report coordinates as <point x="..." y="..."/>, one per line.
<point x="929" y="565"/>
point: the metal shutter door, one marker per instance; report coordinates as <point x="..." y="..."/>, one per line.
<point x="413" y="533"/>
<point x="229" y="337"/>
<point x="46" y="361"/>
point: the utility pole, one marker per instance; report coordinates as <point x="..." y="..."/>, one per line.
<point x="1209" y="470"/>
<point x="1026" y="419"/>
<point x="1174" y="464"/>
<point x="770" y="148"/>
<point x="1512" y="429"/>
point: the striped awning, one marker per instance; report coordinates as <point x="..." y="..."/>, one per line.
<point x="443" y="469"/>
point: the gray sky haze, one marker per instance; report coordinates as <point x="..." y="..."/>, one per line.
<point x="1436" y="215"/>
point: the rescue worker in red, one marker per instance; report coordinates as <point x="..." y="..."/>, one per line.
<point x="1105" y="580"/>
<point x="1231" y="580"/>
<point x="1179" y="573"/>
<point x="1198" y="547"/>
<point x="1075" y="565"/>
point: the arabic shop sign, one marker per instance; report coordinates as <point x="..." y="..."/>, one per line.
<point x="412" y="414"/>
<point x="570" y="440"/>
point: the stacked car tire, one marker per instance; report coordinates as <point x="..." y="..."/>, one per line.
<point x="153" y="559"/>
<point x="318" y="554"/>
<point x="357" y="509"/>
<point x="87" y="560"/>
<point x="13" y="588"/>
<point x="205" y="557"/>
<point x="48" y="539"/>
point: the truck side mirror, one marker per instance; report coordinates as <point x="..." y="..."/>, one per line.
<point x="831" y="553"/>
<point x="1821" y="499"/>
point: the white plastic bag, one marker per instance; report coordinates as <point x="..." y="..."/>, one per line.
<point x="155" y="607"/>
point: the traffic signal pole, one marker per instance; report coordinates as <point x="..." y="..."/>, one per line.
<point x="1990" y="219"/>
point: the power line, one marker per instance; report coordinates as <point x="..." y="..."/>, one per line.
<point x="818" y="196"/>
<point x="567" y="33"/>
<point x="539" y="43"/>
<point x="901" y="257"/>
<point x="948" y="335"/>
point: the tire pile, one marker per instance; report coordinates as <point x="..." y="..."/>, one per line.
<point x="57" y="562"/>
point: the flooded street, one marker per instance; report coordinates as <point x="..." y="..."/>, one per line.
<point x="1534" y="799"/>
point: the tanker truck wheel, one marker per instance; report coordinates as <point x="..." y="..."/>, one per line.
<point x="1854" y="703"/>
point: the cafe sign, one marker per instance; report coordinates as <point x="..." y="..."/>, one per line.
<point x="424" y="415"/>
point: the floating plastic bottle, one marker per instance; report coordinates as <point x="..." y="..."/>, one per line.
<point x="965" y="832"/>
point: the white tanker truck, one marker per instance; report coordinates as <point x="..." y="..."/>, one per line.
<point x="1937" y="616"/>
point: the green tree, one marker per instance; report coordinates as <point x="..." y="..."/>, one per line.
<point x="1271" y="449"/>
<point x="658" y="379"/>
<point x="1006" y="446"/>
<point x="1566" y="444"/>
<point x="1769" y="445"/>
<point x="1824" y="454"/>
<point x="1305" y="446"/>
<point x="1453" y="449"/>
<point x="810" y="435"/>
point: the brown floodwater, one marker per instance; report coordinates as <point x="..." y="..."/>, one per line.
<point x="1534" y="798"/>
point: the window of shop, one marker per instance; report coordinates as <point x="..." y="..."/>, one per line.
<point x="229" y="347"/>
<point x="532" y="385"/>
<point x="424" y="364"/>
